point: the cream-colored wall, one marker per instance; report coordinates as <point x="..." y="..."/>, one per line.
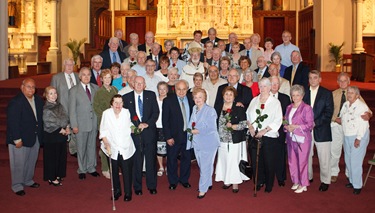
<point x="333" y="23"/>
<point x="74" y="23"/>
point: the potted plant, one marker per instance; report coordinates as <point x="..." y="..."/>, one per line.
<point x="336" y="52"/>
<point x="75" y="48"/>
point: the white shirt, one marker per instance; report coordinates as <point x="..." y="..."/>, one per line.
<point x="84" y="87"/>
<point x="152" y="83"/>
<point x="159" y="123"/>
<point x="313" y="93"/>
<point x="118" y="133"/>
<point x="68" y="79"/>
<point x="136" y="104"/>
<point x="161" y="76"/>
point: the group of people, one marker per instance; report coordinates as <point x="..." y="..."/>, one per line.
<point x="214" y="101"/>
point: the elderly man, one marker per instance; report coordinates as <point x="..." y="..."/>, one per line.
<point x="96" y="69"/>
<point x="285" y="49"/>
<point x="297" y="73"/>
<point x="113" y="54"/>
<point x="211" y="84"/>
<point x="140" y="67"/>
<point x="177" y="108"/>
<point x="84" y="123"/>
<point x="215" y="60"/>
<point x="284" y="84"/>
<point x="320" y="99"/>
<point x="134" y="42"/>
<point x="211" y="37"/>
<point x="130" y="87"/>
<point x="63" y="81"/>
<point x="151" y="79"/>
<point x="146" y="47"/>
<point x="144" y="111"/>
<point x="262" y="70"/>
<point x="24" y="136"/>
<point x="221" y="45"/>
<point x="155" y="55"/>
<point x="252" y="53"/>
<point x="122" y="43"/>
<point x="232" y="38"/>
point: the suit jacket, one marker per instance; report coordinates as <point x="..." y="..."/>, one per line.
<point x="142" y="47"/>
<point x="237" y="114"/>
<point x="81" y="112"/>
<point x="21" y="121"/>
<point x="244" y="95"/>
<point x="242" y="47"/>
<point x="173" y="122"/>
<point x="285" y="102"/>
<point x="107" y="58"/>
<point x="266" y="74"/>
<point x="211" y="62"/>
<point x="207" y="39"/>
<point x="124" y="44"/>
<point x="160" y="55"/>
<point x="150" y="115"/>
<point x="301" y="77"/>
<point x="255" y="53"/>
<point x="303" y="117"/>
<point x="59" y="82"/>
<point x="92" y="78"/>
<point x="323" y="110"/>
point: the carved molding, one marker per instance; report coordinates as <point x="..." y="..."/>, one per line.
<point x="273" y="13"/>
<point x="128" y="13"/>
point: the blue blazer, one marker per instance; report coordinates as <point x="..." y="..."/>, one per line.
<point x="107" y="58"/>
<point x="21" y="122"/>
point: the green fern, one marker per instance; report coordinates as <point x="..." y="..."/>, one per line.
<point x="75" y="47"/>
<point x="336" y="52"/>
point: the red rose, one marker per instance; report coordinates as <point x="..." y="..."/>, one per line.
<point x="123" y="84"/>
<point x="193" y="125"/>
<point x="135" y="118"/>
<point x="229" y="110"/>
<point x="173" y="65"/>
<point x="262" y="106"/>
<point x="173" y="88"/>
<point x="132" y="59"/>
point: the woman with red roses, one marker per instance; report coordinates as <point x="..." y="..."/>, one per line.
<point x="264" y="117"/>
<point x="204" y="138"/>
<point x="231" y="124"/>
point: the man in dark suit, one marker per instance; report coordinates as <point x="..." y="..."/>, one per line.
<point x="112" y="54"/>
<point x="215" y="60"/>
<point x="211" y="37"/>
<point x="221" y="45"/>
<point x="321" y="100"/>
<point x="155" y="55"/>
<point x="298" y="73"/>
<point x="96" y="66"/>
<point x="146" y="47"/>
<point x="121" y="45"/>
<point x="280" y="166"/>
<point x="177" y="110"/>
<point x="24" y="136"/>
<point x="232" y="38"/>
<point x="262" y="69"/>
<point x="244" y="94"/>
<point x="144" y="112"/>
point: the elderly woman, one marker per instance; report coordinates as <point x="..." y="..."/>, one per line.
<point x="194" y="65"/>
<point x="174" y="61"/>
<point x="163" y="72"/>
<point x="356" y="137"/>
<point x="168" y="44"/>
<point x="235" y="57"/>
<point x="268" y="44"/>
<point x="248" y="77"/>
<point x="172" y="79"/>
<point x="122" y="82"/>
<point x="56" y="131"/>
<point x="115" y="70"/>
<point x="204" y="139"/>
<point x="299" y="122"/>
<point x="115" y="131"/>
<point x="231" y="124"/>
<point x="209" y="46"/>
<point x="132" y="59"/>
<point x="101" y="102"/>
<point x="245" y="64"/>
<point x="265" y="129"/>
<point x="276" y="59"/>
<point x="198" y="82"/>
<point x="224" y="67"/>
<point x="162" y="91"/>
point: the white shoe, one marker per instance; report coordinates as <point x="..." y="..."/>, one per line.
<point x="301" y="189"/>
<point x="295" y="186"/>
<point x="106" y="174"/>
<point x="160" y="172"/>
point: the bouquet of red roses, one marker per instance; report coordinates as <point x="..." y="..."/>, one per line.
<point x="190" y="131"/>
<point x="135" y="129"/>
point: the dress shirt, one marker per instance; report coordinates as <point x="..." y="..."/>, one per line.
<point x="136" y="104"/>
<point x="68" y="79"/>
<point x="118" y="59"/>
<point x="352" y="122"/>
<point x="187" y="108"/>
<point x="313" y="93"/>
<point x="96" y="73"/>
<point x="84" y="86"/>
<point x="212" y="89"/>
<point x="285" y="52"/>
<point x="152" y="83"/>
<point x="141" y="70"/>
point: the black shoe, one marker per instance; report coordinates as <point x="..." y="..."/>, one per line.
<point x="20" y="193"/>
<point x="186" y="185"/>
<point x="34" y="185"/>
<point x="127" y="198"/>
<point x="235" y="190"/>
<point x="267" y="190"/>
<point x="153" y="191"/>
<point x="259" y="186"/>
<point x="138" y="192"/>
<point x="95" y="174"/>
<point x="82" y="176"/>
<point x="54" y="183"/>
<point x="172" y="186"/>
<point x="357" y="191"/>
<point x="201" y="196"/>
<point x="281" y="183"/>
<point x="226" y="186"/>
<point x="349" y="185"/>
<point x="116" y="195"/>
<point x="323" y="187"/>
<point x="312" y="180"/>
<point x="210" y="187"/>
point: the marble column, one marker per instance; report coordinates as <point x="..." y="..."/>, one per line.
<point x="54" y="53"/>
<point x="359" y="42"/>
<point x="4" y="40"/>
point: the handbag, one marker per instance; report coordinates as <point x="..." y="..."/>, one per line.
<point x="245" y="167"/>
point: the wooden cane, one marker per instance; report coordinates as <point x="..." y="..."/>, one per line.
<point x="256" y="167"/>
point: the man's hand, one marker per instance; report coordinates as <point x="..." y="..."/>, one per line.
<point x="75" y="130"/>
<point x="366" y="116"/>
<point x="338" y="120"/>
<point x="170" y="142"/>
<point x="142" y="126"/>
<point x="19" y="144"/>
<point x="240" y="104"/>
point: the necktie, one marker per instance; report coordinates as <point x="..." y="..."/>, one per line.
<point x="293" y="74"/>
<point x="71" y="81"/>
<point x="140" y="106"/>
<point x="98" y="79"/>
<point x="121" y="47"/>
<point x="88" y="92"/>
<point x="248" y="53"/>
<point x="343" y="99"/>
<point x="183" y="112"/>
<point x="114" y="58"/>
<point x="215" y="63"/>
<point x="156" y="63"/>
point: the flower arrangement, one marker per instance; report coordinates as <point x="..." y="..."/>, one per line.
<point x="190" y="131"/>
<point x="135" y="129"/>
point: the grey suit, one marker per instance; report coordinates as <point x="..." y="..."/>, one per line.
<point x="255" y="53"/>
<point x="82" y="116"/>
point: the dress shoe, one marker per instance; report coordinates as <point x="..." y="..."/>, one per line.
<point x="186" y="185"/>
<point x="301" y="189"/>
<point x="116" y="195"/>
<point x="172" y="186"/>
<point x="20" y="193"/>
<point x="333" y="179"/>
<point x="153" y="191"/>
<point x="74" y="155"/>
<point x="235" y="190"/>
<point x="201" y="196"/>
<point x="281" y="183"/>
<point x="267" y="190"/>
<point x="226" y="186"/>
<point x="349" y="185"/>
<point x="54" y="183"/>
<point x="210" y="187"/>
<point x="357" y="191"/>
<point x="323" y="187"/>
<point x="35" y="185"/>
<point x="127" y="198"/>
<point x="138" y="192"/>
<point x="95" y="174"/>
<point x="295" y="186"/>
<point x="82" y="176"/>
<point x="259" y="186"/>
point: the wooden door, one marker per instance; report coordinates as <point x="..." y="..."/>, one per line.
<point x="136" y="25"/>
<point x="43" y="45"/>
<point x="274" y="27"/>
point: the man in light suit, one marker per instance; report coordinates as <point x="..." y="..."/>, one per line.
<point x="63" y="81"/>
<point x="177" y="109"/>
<point x="252" y="53"/>
<point x="144" y="112"/>
<point x="146" y="47"/>
<point x="301" y="71"/>
<point x="321" y="100"/>
<point x="113" y="54"/>
<point x="24" y="135"/>
<point x="84" y="123"/>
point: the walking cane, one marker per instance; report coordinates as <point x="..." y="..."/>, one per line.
<point x="256" y="167"/>
<point x="111" y="177"/>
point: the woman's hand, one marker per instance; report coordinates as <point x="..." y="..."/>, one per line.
<point x="75" y="130"/>
<point x="291" y="127"/>
<point x="357" y="143"/>
<point x="62" y="131"/>
<point x="229" y="125"/>
<point x="195" y="131"/>
<point x="261" y="133"/>
<point x="67" y="130"/>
